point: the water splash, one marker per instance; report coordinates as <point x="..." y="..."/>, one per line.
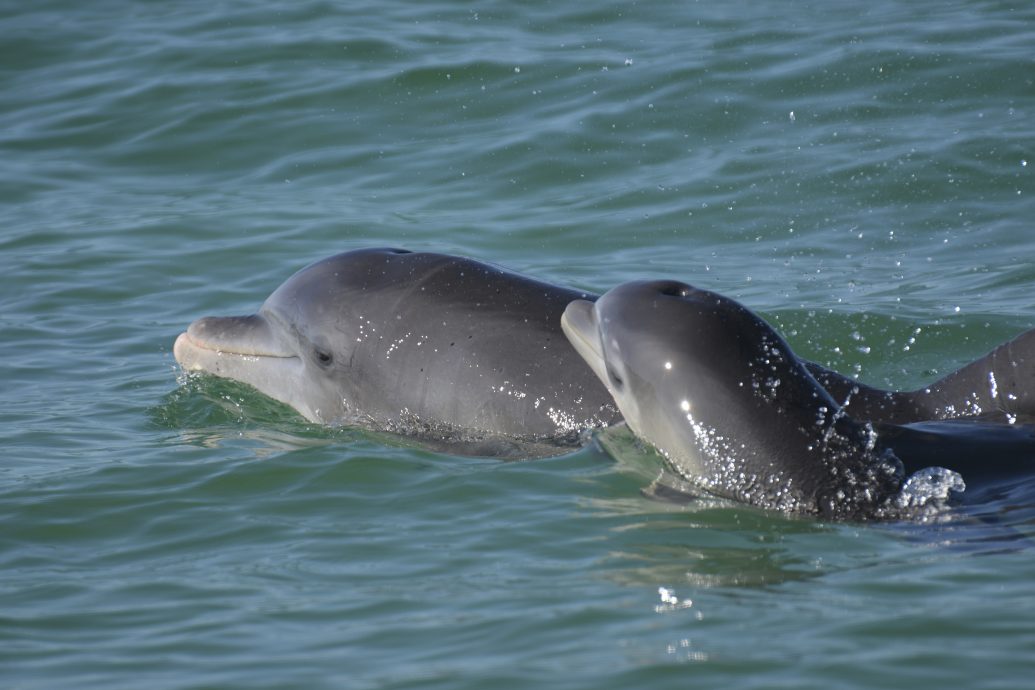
<point x="931" y="488"/>
<point x="670" y="602"/>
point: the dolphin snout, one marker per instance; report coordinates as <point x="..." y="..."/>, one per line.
<point x="239" y="335"/>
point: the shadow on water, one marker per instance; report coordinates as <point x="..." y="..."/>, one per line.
<point x="664" y="533"/>
<point x="677" y="535"/>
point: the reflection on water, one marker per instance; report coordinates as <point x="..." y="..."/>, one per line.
<point x="683" y="536"/>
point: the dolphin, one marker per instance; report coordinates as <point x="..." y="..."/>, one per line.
<point x="722" y="396"/>
<point x="416" y="343"/>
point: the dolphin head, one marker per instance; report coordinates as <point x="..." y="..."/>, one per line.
<point x="297" y="348"/>
<point x="674" y="358"/>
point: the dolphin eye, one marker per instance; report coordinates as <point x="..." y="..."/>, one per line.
<point x="613" y="377"/>
<point x="323" y="357"/>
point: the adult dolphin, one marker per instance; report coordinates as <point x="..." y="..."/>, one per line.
<point x="418" y="343"/>
<point x="723" y="397"/>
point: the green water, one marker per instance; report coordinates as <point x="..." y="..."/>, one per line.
<point x="861" y="173"/>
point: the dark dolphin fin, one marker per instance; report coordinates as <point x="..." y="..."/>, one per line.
<point x="997" y="387"/>
<point x="982" y="452"/>
<point x="1000" y="385"/>
<point x="866" y="402"/>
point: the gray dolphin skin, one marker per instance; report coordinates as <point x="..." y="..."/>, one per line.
<point x="446" y="348"/>
<point x="724" y="398"/>
<point x="410" y="342"/>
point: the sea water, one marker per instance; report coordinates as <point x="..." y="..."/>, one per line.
<point x="859" y="173"/>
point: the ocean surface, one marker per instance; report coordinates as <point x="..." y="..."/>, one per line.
<point x="861" y="173"/>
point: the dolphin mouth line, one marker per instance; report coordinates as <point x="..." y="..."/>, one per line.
<point x="579" y="324"/>
<point x="197" y="355"/>
<point x="185" y="340"/>
<point x="581" y="340"/>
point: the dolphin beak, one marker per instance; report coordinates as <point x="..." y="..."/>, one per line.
<point x="240" y="335"/>
<point x="579" y="323"/>
<point x="213" y="342"/>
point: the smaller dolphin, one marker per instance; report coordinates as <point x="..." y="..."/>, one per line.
<point x="721" y="395"/>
